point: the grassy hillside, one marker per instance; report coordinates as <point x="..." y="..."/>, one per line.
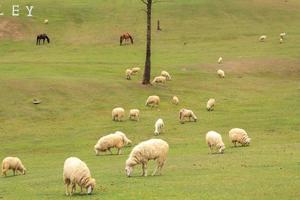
<point x="80" y="77"/>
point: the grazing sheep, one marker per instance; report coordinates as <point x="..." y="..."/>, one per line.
<point x="153" y="149"/>
<point x="262" y="38"/>
<point x="159" y="124"/>
<point x="238" y="135"/>
<point x="118" y="114"/>
<point x="220" y="60"/>
<point x="280" y="40"/>
<point x="159" y="79"/>
<point x="214" y="139"/>
<point x="114" y="140"/>
<point x="128" y="74"/>
<point x="14" y="164"/>
<point x="175" y="100"/>
<point x="77" y="172"/>
<point x="185" y="113"/>
<point x="135" y="70"/>
<point x="46" y="21"/>
<point x="166" y="74"/>
<point x="221" y="73"/>
<point x="210" y="104"/>
<point x="153" y="101"/>
<point x="134" y="114"/>
<point x="282" y="35"/>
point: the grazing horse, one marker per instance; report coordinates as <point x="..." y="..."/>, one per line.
<point x="42" y="37"/>
<point x="126" y="37"/>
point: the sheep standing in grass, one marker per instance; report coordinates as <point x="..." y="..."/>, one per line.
<point x="280" y="40"/>
<point x="159" y="125"/>
<point x="220" y="60"/>
<point x="175" y="100"/>
<point x="153" y="149"/>
<point x="221" y="73"/>
<point x="210" y="104"/>
<point x="153" y="101"/>
<point x="159" y="79"/>
<point x="114" y="140"/>
<point x="128" y="74"/>
<point x="214" y="139"/>
<point x="262" y="38"/>
<point x="77" y="172"/>
<point x="282" y="35"/>
<point x="238" y="135"/>
<point x="135" y="70"/>
<point x="118" y="114"/>
<point x="46" y="21"/>
<point x="134" y="114"/>
<point x="185" y="113"/>
<point x="14" y="164"/>
<point x="166" y="74"/>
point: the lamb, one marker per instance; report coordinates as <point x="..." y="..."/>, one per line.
<point x="159" y="79"/>
<point x="166" y="74"/>
<point x="159" y="124"/>
<point x="220" y="60"/>
<point x="77" y="172"/>
<point x="114" y="140"/>
<point x="262" y="38"/>
<point x="153" y="101"/>
<point x="238" y="135"/>
<point x="135" y="70"/>
<point x="221" y="73"/>
<point x="280" y="40"/>
<point x="13" y="163"/>
<point x="128" y="74"/>
<point x="282" y="35"/>
<point x="175" y="100"/>
<point x="134" y="114"/>
<point x="118" y="114"/>
<point x="46" y="21"/>
<point x="153" y="149"/>
<point x="185" y="113"/>
<point x="214" y="139"/>
<point x="210" y="104"/>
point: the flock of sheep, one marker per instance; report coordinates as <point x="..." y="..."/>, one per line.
<point x="281" y="37"/>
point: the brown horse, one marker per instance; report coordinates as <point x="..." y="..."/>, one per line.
<point x="126" y="37"/>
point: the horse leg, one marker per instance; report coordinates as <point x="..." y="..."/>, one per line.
<point x="43" y="40"/>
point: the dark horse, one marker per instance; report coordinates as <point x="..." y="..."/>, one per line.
<point x="126" y="37"/>
<point x="42" y="37"/>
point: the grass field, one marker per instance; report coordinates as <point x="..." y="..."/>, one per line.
<point x="80" y="77"/>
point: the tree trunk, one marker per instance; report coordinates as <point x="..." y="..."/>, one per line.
<point x="147" y="70"/>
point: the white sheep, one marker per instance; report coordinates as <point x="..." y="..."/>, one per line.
<point x="282" y="35"/>
<point x="220" y="60"/>
<point x="46" y="21"/>
<point x="214" y="139"/>
<point x="135" y="70"/>
<point x="128" y="74"/>
<point x="166" y="74"/>
<point x="159" y="125"/>
<point x="134" y="114"/>
<point x="114" y="140"/>
<point x="153" y="101"/>
<point x="221" y="73"/>
<point x="210" y="104"/>
<point x="262" y="38"/>
<point x="185" y="113"/>
<point x="118" y="114"/>
<point x="175" y="100"/>
<point x="280" y="40"/>
<point x="77" y="172"/>
<point x="153" y="149"/>
<point x="238" y="135"/>
<point x="159" y="79"/>
<point x="13" y="163"/>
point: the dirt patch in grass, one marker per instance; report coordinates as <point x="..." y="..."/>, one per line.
<point x="11" y="29"/>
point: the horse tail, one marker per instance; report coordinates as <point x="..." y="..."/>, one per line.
<point x="121" y="39"/>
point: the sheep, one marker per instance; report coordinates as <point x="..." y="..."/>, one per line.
<point x="238" y="135"/>
<point x="114" y="140"/>
<point x="159" y="79"/>
<point x="221" y="73"/>
<point x="77" y="172"/>
<point x="128" y="74"/>
<point x="153" y="149"/>
<point x="214" y="139"/>
<point x="210" y="104"/>
<point x="153" y="101"/>
<point x="175" y="100"/>
<point x="118" y="114"/>
<point x="184" y="113"/>
<point x="13" y="163"/>
<point x="280" y="40"/>
<point x="262" y="38"/>
<point x="134" y="114"/>
<point x="46" y="21"/>
<point x="166" y="74"/>
<point x="282" y="35"/>
<point x="135" y="70"/>
<point x="220" y="60"/>
<point x="159" y="124"/>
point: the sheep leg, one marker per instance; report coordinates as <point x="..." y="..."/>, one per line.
<point x="4" y="172"/>
<point x="67" y="189"/>
<point x="14" y="171"/>
<point x="80" y="189"/>
<point x="119" y="151"/>
<point x="73" y="188"/>
<point x="110" y="151"/>
<point x="144" y="167"/>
